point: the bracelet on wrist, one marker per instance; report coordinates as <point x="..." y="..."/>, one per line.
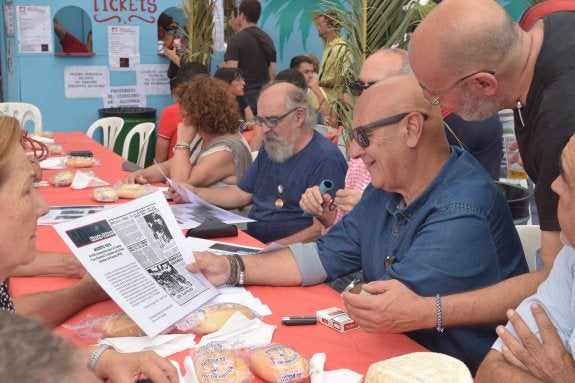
<point x="185" y="147"/>
<point x="95" y="356"/>
<point x="237" y="270"/>
<point x="439" y="327"/>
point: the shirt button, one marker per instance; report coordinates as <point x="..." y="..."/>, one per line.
<point x="396" y="229"/>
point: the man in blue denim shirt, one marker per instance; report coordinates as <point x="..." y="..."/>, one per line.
<point x="432" y="219"/>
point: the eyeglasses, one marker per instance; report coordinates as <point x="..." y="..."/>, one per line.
<point x="272" y="122"/>
<point x="360" y="133"/>
<point x="434" y="100"/>
<point x="357" y="87"/>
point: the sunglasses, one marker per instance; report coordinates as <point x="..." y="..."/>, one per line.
<point x="360" y="133"/>
<point x="357" y="87"/>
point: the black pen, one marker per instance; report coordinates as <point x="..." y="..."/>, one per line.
<point x="298" y="321"/>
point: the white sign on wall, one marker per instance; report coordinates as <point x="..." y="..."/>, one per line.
<point x="34" y="29"/>
<point x="124" y="47"/>
<point x="86" y="81"/>
<point x="153" y="78"/>
<point x="120" y="96"/>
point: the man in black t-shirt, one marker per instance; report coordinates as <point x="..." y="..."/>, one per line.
<point x="252" y="50"/>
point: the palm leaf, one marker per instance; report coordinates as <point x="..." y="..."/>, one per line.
<point x="198" y="30"/>
<point x="369" y="25"/>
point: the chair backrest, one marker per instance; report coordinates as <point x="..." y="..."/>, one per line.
<point x="144" y="130"/>
<point x="110" y="126"/>
<point x="530" y="236"/>
<point x="23" y="112"/>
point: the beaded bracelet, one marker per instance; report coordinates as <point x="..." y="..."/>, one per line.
<point x="242" y="270"/>
<point x="439" y="327"/>
<point x="95" y="356"/>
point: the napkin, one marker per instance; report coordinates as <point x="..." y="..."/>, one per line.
<point x="318" y="375"/>
<point x="164" y="345"/>
<point x="240" y="332"/>
<point x="83" y="180"/>
<point x="53" y="163"/>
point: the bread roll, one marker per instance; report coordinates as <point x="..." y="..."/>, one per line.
<point x="211" y="318"/>
<point x="429" y="367"/>
<point x="222" y="367"/>
<point x="132" y="191"/>
<point x="118" y="325"/>
<point x="79" y="162"/>
<point x="279" y="363"/>
<point x="105" y="194"/>
<point x="62" y="179"/>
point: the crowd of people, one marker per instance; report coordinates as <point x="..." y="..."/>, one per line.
<point x="414" y="215"/>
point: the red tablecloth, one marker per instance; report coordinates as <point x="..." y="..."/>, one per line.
<point x="354" y="350"/>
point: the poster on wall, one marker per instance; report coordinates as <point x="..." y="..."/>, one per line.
<point x="218" y="31"/>
<point x="124" y="47"/>
<point x="34" y="29"/>
<point x="125" y="96"/>
<point x="86" y="81"/>
<point x="153" y="78"/>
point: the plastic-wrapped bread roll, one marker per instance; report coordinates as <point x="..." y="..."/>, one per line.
<point x="118" y="325"/>
<point x="62" y="179"/>
<point x="209" y="319"/>
<point x="278" y="363"/>
<point x="429" y="367"/>
<point x="131" y="191"/>
<point x="79" y="162"/>
<point x="221" y="366"/>
<point x="105" y="194"/>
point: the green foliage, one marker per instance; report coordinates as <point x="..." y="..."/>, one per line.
<point x="198" y="30"/>
<point x="370" y="25"/>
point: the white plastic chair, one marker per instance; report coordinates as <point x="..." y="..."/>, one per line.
<point x="110" y="126"/>
<point x="530" y="236"/>
<point x="144" y="130"/>
<point x="23" y="112"/>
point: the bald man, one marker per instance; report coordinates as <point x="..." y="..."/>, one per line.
<point x="471" y="57"/>
<point x="537" y="345"/>
<point x="431" y="219"/>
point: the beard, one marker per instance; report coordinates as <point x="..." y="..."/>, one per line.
<point x="476" y="108"/>
<point x="278" y="148"/>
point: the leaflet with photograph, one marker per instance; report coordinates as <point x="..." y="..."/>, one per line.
<point x="194" y="212"/>
<point x="137" y="252"/>
<point x="58" y="214"/>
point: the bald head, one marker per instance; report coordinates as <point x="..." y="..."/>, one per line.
<point x="383" y="64"/>
<point x="394" y="95"/>
<point x="462" y="36"/>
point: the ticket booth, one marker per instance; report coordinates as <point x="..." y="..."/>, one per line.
<point x="122" y="66"/>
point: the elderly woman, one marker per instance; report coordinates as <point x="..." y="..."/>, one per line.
<point x="22" y="205"/>
<point x="210" y="149"/>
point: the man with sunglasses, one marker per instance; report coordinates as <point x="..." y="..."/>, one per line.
<point x="471" y="57"/>
<point x="292" y="158"/>
<point x="419" y="223"/>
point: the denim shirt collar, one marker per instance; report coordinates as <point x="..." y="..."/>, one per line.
<point x="395" y="201"/>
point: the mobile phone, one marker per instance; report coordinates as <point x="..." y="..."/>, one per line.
<point x="81" y="153"/>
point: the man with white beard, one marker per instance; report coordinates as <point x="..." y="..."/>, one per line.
<point x="538" y="342"/>
<point x="293" y="158"/>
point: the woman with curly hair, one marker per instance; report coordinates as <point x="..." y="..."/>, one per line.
<point x="210" y="150"/>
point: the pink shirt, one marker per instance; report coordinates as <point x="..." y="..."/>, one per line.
<point x="356" y="178"/>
